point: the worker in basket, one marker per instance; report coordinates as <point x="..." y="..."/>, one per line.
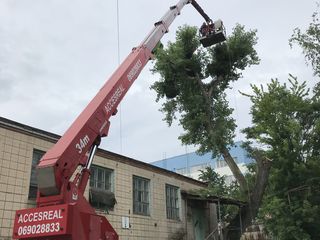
<point x="206" y="29"/>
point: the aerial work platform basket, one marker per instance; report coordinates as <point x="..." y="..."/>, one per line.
<point x="212" y="33"/>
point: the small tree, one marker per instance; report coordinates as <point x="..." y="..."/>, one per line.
<point x="216" y="183"/>
<point x="218" y="187"/>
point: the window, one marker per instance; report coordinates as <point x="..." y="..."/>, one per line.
<point x="101" y="188"/>
<point x="141" y="198"/>
<point x="172" y="199"/>
<point x="33" y="186"/>
<point x="101" y="178"/>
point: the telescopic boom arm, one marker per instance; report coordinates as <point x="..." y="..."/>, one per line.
<point x="200" y="10"/>
<point x="62" y="211"/>
<point x="60" y="162"/>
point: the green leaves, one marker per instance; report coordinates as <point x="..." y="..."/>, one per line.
<point x="193" y="81"/>
<point x="276" y="112"/>
<point x="309" y="41"/>
<point x="285" y="121"/>
<point x="216" y="183"/>
<point x="218" y="187"/>
<point x="230" y="58"/>
<point x="192" y="86"/>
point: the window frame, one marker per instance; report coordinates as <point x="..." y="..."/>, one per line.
<point x="96" y="178"/>
<point x="94" y="184"/>
<point x="37" y="154"/>
<point x="173" y="203"/>
<point x="141" y="200"/>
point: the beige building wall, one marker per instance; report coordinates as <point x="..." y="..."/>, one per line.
<point x="17" y="143"/>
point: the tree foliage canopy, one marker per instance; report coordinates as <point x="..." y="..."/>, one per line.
<point x="285" y="124"/>
<point x="193" y="81"/>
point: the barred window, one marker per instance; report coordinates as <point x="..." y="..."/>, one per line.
<point x="172" y="200"/>
<point x="33" y="186"/>
<point x="101" y="188"/>
<point x="101" y="178"/>
<point x="141" y="198"/>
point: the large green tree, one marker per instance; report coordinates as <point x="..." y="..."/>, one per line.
<point x="286" y="125"/>
<point x="192" y="86"/>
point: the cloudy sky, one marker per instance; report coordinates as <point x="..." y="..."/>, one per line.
<point x="56" y="54"/>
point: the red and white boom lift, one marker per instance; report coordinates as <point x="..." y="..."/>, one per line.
<point x="62" y="212"/>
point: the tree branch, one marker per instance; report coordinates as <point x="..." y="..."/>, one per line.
<point x="234" y="169"/>
<point x="213" y="85"/>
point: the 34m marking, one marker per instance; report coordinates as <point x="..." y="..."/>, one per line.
<point x="83" y="142"/>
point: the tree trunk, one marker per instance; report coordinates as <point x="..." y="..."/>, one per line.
<point x="249" y="212"/>
<point x="234" y="169"/>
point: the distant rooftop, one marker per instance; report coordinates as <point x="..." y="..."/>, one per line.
<point x="193" y="159"/>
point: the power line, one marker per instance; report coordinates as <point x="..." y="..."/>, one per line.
<point x="118" y="40"/>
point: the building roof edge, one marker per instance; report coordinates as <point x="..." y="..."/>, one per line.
<point x="52" y="137"/>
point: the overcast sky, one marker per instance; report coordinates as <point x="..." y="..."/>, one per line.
<point x="56" y="54"/>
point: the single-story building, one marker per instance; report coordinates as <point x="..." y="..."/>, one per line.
<point x="145" y="201"/>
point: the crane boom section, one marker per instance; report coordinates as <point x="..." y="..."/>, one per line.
<point x="62" y="210"/>
<point x="200" y="10"/>
<point x="61" y="161"/>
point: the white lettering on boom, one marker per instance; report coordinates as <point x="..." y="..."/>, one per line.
<point x="40" y="216"/>
<point x="114" y="99"/>
<point x="134" y="70"/>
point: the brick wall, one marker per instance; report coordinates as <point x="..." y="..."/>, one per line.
<point x="15" y="165"/>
